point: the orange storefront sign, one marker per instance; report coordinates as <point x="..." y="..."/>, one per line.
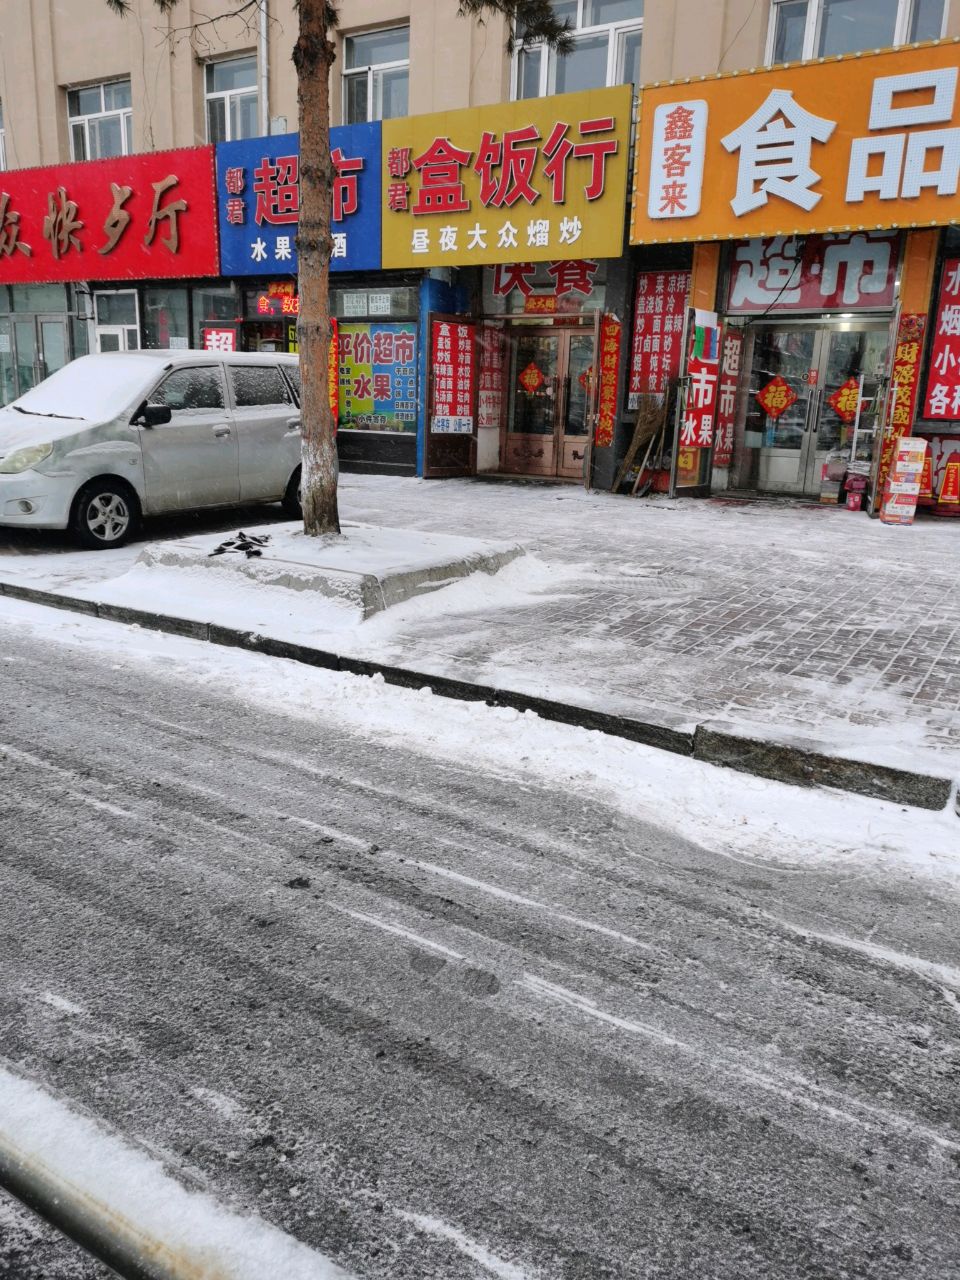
<point x="844" y="144"/>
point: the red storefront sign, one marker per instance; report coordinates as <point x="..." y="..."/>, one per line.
<point x="661" y="303"/>
<point x="454" y="377"/>
<point x="727" y="398"/>
<point x="817" y="273"/>
<point x="943" y="383"/>
<point x="151" y="216"/>
<point x="696" y="431"/>
<point x="610" y="332"/>
<point x="905" y="380"/>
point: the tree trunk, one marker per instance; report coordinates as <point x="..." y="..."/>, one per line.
<point x="313" y="55"/>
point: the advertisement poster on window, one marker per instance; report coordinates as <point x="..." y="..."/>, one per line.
<point x="453" y="348"/>
<point x="377" y="377"/>
<point x="659" y="313"/>
<point x="141" y="217"/>
<point x="865" y="140"/>
<point x="258" y="202"/>
<point x="538" y="180"/>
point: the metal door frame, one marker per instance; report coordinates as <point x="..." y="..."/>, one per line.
<point x="563" y="334"/>
<point x="38" y="319"/>
<point x="825" y="327"/>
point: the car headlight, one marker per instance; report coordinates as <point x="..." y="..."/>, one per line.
<point x="24" y="459"/>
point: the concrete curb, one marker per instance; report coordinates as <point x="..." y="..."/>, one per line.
<point x="800" y="765"/>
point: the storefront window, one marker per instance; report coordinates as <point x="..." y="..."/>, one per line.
<point x="165" y="318"/>
<point x="50" y="298"/>
<point x="213" y="305"/>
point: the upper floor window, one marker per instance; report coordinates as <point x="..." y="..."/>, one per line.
<point x="376" y="75"/>
<point x="231" y="91"/>
<point x="101" y="120"/>
<point x="606" y="50"/>
<point x="3" y="141"/>
<point x="821" y="28"/>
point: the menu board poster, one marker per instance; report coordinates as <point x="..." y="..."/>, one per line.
<point x="377" y="376"/>
<point x="659" y="314"/>
<point x="454" y="359"/>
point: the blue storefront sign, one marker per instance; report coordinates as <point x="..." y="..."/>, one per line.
<point x="258" y="202"/>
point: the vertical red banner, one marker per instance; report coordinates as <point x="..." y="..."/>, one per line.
<point x="333" y="370"/>
<point x="905" y="380"/>
<point x="453" y="346"/>
<point x="727" y="397"/>
<point x="609" y="362"/>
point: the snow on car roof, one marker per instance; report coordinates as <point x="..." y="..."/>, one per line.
<point x="181" y="356"/>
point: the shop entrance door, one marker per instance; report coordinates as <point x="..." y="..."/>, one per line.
<point x="39" y="348"/>
<point x="552" y="396"/>
<point x="815" y="371"/>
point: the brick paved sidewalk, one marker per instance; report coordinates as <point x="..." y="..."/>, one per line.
<point x="798" y="621"/>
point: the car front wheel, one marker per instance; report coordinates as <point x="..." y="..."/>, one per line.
<point x="106" y="514"/>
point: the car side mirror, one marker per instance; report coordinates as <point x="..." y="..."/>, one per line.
<point x="152" y="415"/>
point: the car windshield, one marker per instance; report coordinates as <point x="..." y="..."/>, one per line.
<point x="92" y="388"/>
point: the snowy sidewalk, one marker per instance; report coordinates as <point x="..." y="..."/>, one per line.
<point x="785" y="620"/>
<point x="794" y="623"/>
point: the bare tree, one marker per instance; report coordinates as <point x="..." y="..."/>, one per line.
<point x="313" y="57"/>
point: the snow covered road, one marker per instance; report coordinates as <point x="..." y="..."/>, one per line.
<point x="440" y="1021"/>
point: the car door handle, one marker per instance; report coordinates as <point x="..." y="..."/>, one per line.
<point x="221" y="431"/>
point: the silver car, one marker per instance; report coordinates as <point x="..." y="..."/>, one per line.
<point x="113" y="437"/>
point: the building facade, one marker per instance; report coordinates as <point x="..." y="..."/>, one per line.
<point x="511" y="295"/>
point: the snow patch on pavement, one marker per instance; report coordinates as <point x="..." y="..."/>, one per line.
<point x="125" y="1191"/>
<point x="733" y="815"/>
<point x="60" y="1003"/>
<point x="477" y="1252"/>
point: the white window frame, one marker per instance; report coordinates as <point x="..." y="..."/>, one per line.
<point x="3" y="140"/>
<point x="354" y="73"/>
<point x="615" y="31"/>
<point x="811" y="32"/>
<point x="212" y="95"/>
<point x="124" y="114"/>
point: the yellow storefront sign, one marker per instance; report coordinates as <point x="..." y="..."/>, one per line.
<point x="532" y="181"/>
<point x="845" y="144"/>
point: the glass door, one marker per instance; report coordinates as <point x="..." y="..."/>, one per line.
<point x="27" y="354"/>
<point x="852" y="375"/>
<point x="53" y="345"/>
<point x="8" y="372"/>
<point x="781" y="400"/>
<point x="577" y="404"/>
<point x="811" y="387"/>
<point x="535" y="385"/>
